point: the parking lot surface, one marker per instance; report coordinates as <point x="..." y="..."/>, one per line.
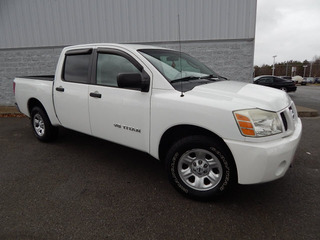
<point x="80" y="187"/>
<point x="307" y="96"/>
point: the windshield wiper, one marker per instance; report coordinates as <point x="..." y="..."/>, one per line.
<point x="208" y="77"/>
<point x="213" y="76"/>
<point x="184" y="79"/>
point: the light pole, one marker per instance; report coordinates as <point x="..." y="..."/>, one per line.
<point x="310" y="73"/>
<point x="304" y="70"/>
<point x="273" y="67"/>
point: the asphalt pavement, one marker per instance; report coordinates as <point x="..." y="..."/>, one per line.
<point x="307" y="96"/>
<point x="81" y="187"/>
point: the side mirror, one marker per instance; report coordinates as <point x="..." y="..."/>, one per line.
<point x="138" y="81"/>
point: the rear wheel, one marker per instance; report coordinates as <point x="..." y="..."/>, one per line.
<point x="284" y="89"/>
<point x="200" y="167"/>
<point x="41" y="125"/>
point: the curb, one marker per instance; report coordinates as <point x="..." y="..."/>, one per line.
<point x="306" y="112"/>
<point x="12" y="111"/>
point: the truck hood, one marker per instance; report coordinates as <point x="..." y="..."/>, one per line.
<point x="245" y="95"/>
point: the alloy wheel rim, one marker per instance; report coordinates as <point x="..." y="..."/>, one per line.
<point x="200" y="169"/>
<point x="38" y="124"/>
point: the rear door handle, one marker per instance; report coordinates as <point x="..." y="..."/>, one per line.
<point x="95" y="94"/>
<point x="60" y="89"/>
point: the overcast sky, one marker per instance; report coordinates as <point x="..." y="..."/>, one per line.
<point x="289" y="29"/>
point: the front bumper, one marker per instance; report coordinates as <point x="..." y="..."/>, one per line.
<point x="265" y="161"/>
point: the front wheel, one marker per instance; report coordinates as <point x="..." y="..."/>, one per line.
<point x="41" y="125"/>
<point x="200" y="167"/>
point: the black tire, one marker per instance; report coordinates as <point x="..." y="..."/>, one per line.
<point x="41" y="125"/>
<point x="202" y="159"/>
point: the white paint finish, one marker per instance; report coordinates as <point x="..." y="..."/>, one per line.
<point x="245" y="93"/>
<point x="38" y="89"/>
<point x="128" y="108"/>
<point x="37" y="23"/>
<point x="211" y="107"/>
<point x="263" y="162"/>
<point x="208" y="106"/>
<point x="71" y="106"/>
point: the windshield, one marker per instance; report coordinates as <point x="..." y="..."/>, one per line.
<point x="177" y="66"/>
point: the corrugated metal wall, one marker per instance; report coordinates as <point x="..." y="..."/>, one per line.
<point x="36" y="23"/>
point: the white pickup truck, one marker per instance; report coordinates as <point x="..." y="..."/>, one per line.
<point x="209" y="132"/>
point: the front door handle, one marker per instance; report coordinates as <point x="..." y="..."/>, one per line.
<point x="95" y="94"/>
<point x="60" y="89"/>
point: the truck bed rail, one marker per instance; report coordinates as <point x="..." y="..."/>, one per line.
<point x="40" y="77"/>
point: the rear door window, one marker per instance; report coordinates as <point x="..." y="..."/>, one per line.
<point x="76" y="67"/>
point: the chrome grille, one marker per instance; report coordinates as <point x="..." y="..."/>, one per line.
<point x="292" y="112"/>
<point x="288" y="117"/>
<point x="284" y="121"/>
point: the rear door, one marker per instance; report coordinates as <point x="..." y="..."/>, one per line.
<point x="71" y="91"/>
<point x="118" y="114"/>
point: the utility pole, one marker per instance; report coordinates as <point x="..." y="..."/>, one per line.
<point x="273" y="67"/>
<point x="287" y="69"/>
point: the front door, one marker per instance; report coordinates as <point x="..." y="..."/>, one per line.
<point x="117" y="114"/>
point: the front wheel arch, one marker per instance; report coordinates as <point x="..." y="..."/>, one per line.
<point x="175" y="133"/>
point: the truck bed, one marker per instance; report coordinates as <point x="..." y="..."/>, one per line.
<point x="35" y="87"/>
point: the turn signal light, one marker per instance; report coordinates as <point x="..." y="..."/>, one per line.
<point x="245" y="125"/>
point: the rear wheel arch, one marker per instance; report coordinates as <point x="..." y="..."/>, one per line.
<point x="40" y="122"/>
<point x="32" y="103"/>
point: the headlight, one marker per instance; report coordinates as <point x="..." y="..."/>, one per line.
<point x="258" y="123"/>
